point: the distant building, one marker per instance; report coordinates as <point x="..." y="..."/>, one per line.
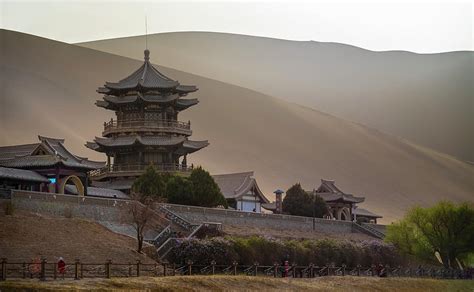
<point x="342" y="206"/>
<point x="241" y="191"/>
<point x="49" y="160"/>
<point x="146" y="130"/>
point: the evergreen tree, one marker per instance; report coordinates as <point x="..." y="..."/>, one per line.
<point x="150" y="184"/>
<point x="179" y="190"/>
<point x="298" y="202"/>
<point x="206" y="193"/>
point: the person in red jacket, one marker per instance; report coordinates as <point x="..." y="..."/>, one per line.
<point x="61" y="267"/>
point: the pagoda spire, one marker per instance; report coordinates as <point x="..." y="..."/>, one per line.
<point x="147" y="55"/>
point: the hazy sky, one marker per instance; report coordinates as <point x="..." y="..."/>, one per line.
<point x="404" y="25"/>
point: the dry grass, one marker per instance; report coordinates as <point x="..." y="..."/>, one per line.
<point x="24" y="236"/>
<point x="278" y="232"/>
<point x="245" y="283"/>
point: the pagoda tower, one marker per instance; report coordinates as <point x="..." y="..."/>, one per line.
<point x="146" y="130"/>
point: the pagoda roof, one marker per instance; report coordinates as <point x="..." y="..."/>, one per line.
<point x="22" y="175"/>
<point x="185" y="146"/>
<point x="236" y="185"/>
<point x="112" y="101"/>
<point x="48" y="152"/>
<point x="146" y="78"/>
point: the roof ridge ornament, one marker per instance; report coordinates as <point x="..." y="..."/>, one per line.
<point x="147" y="55"/>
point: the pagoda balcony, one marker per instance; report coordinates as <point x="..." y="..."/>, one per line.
<point x="136" y="170"/>
<point x="147" y="125"/>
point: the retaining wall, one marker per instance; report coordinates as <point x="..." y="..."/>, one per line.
<point x="276" y="221"/>
<point x="98" y="209"/>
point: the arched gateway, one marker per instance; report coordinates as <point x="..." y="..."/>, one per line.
<point x="77" y="182"/>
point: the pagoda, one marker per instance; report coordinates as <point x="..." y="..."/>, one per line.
<point x="146" y="130"/>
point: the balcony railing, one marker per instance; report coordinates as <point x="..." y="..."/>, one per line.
<point x="147" y="125"/>
<point x="136" y="168"/>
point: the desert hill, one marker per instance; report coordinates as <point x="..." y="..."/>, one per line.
<point x="425" y="98"/>
<point x="49" y="89"/>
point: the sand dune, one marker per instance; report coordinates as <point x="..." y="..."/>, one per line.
<point x="402" y="93"/>
<point x="49" y="89"/>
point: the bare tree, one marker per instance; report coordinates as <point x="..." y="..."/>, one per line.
<point x="140" y="212"/>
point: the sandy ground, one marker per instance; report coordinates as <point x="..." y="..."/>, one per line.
<point x="24" y="236"/>
<point x="243" y="283"/>
<point x="52" y="87"/>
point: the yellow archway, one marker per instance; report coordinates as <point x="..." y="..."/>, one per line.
<point x="77" y="182"/>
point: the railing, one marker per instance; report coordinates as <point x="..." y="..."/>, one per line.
<point x="161" y="237"/>
<point x="120" y="168"/>
<point x="79" y="270"/>
<point x="147" y="125"/>
<point x="175" y="218"/>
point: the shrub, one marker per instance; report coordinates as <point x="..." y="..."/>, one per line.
<point x="267" y="251"/>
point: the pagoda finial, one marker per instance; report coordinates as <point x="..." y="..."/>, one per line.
<point x="147" y="55"/>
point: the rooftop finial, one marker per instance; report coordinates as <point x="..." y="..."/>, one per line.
<point x="147" y="55"/>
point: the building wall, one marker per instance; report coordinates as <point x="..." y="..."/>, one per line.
<point x="232" y="217"/>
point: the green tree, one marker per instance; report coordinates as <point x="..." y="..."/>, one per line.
<point x="179" y="190"/>
<point x="298" y="202"/>
<point x="206" y="193"/>
<point x="150" y="183"/>
<point x="445" y="228"/>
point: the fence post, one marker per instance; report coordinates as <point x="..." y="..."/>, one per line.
<point x="275" y="270"/>
<point x="255" y="268"/>
<point x="164" y="263"/>
<point x="213" y="267"/>
<point x="358" y="270"/>
<point x="235" y="268"/>
<point x="138" y="268"/>
<point x="43" y="270"/>
<point x="190" y="267"/>
<point x="24" y="270"/>
<point x="343" y="269"/>
<point x="76" y="269"/>
<point x="311" y="270"/>
<point x="293" y="269"/>
<point x="4" y="269"/>
<point x="107" y="268"/>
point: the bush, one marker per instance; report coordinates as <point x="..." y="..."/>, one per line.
<point x="299" y="203"/>
<point x="267" y="251"/>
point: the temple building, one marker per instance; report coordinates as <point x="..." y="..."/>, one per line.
<point x="241" y="191"/>
<point x="339" y="203"/>
<point x="146" y="130"/>
<point x="341" y="206"/>
<point x="45" y="166"/>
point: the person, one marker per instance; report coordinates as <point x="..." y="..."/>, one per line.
<point x="61" y="267"/>
<point x="35" y="267"/>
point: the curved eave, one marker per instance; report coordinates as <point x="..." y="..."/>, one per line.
<point x="191" y="147"/>
<point x="182" y="104"/>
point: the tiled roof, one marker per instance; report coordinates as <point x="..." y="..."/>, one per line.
<point x="23" y="156"/>
<point x="144" y="140"/>
<point x="21" y="174"/>
<point x="366" y="213"/>
<point x="329" y="192"/>
<point x="146" y="78"/>
<point x="98" y="192"/>
<point x="235" y="185"/>
<point x="121" y="184"/>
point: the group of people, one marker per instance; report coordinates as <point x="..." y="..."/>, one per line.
<point x="35" y="267"/>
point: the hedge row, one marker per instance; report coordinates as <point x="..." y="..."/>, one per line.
<point x="267" y="251"/>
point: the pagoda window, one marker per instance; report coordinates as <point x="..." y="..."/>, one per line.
<point x="153" y="157"/>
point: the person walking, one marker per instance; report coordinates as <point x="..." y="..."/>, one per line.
<point x="61" y="267"/>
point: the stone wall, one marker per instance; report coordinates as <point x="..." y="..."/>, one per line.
<point x="199" y="215"/>
<point x="97" y="209"/>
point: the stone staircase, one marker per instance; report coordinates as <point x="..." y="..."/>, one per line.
<point x="368" y="230"/>
<point x="167" y="239"/>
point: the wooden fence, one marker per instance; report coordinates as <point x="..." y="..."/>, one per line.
<point x="78" y="270"/>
